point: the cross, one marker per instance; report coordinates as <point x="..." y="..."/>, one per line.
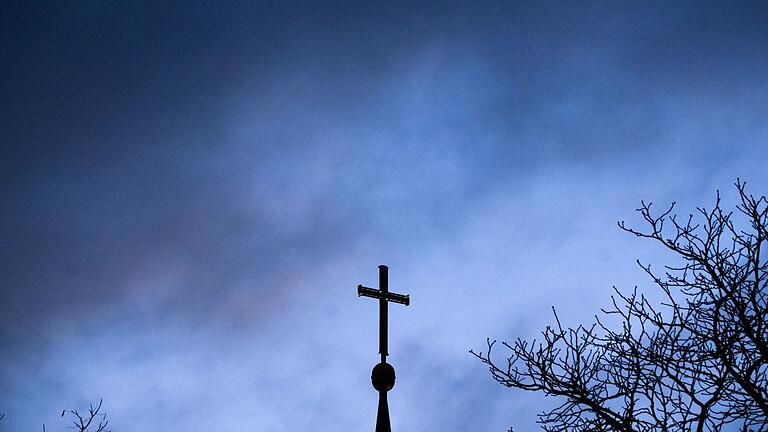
<point x="383" y="374"/>
<point x="384" y="296"/>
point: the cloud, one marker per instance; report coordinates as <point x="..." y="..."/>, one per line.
<point x="193" y="197"/>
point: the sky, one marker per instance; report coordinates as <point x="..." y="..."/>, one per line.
<point x="190" y="193"/>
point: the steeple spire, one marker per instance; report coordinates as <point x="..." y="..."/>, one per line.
<point x="383" y="374"/>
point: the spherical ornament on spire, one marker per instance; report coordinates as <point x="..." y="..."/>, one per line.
<point x="383" y="377"/>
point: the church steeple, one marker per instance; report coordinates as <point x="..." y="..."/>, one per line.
<point x="383" y="374"/>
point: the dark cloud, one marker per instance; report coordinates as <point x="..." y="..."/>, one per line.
<point x="188" y="190"/>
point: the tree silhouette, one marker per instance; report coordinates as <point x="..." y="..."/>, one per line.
<point x="697" y="360"/>
<point x="91" y="421"/>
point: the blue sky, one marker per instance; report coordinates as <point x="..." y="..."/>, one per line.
<point x="190" y="193"/>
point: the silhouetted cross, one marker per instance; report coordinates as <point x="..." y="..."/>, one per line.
<point x="384" y="297"/>
<point x="383" y="374"/>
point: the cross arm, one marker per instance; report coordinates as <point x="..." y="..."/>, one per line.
<point x="363" y="291"/>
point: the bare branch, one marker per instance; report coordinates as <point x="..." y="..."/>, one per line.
<point x="697" y="361"/>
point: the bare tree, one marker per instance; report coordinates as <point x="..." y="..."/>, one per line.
<point x="695" y="361"/>
<point x="91" y="421"/>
